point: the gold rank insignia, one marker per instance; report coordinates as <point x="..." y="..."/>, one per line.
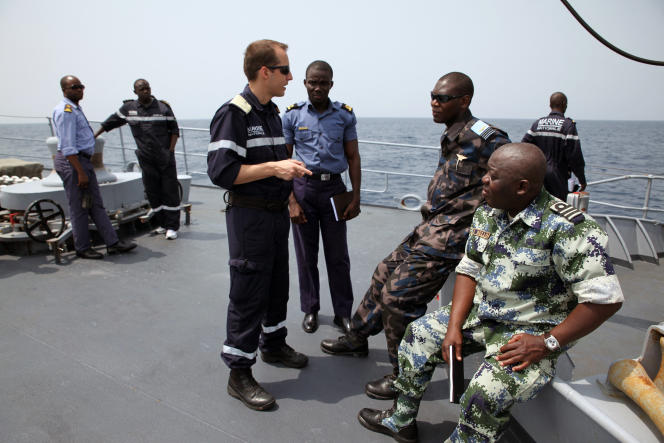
<point x="302" y="128"/>
<point x="460" y="158"/>
<point x="68" y="108"/>
<point x="346" y="107"/>
<point x="479" y="233"/>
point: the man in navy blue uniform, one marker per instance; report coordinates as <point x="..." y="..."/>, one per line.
<point x="323" y="133"/>
<point x="247" y="156"/>
<point x="556" y="136"/>
<point x="156" y="132"/>
<point x="76" y="145"/>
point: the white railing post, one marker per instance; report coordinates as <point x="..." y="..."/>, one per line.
<point x="184" y="150"/>
<point x="646" y="202"/>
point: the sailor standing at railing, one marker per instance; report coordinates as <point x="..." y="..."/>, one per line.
<point x="325" y="139"/>
<point x="247" y="155"/>
<point x="556" y="136"/>
<point x="76" y="145"/>
<point x="156" y="132"/>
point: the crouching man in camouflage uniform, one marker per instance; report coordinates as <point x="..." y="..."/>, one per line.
<point x="407" y="279"/>
<point x="535" y="278"/>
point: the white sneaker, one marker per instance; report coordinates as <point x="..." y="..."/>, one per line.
<point x="160" y="230"/>
<point x="171" y="234"/>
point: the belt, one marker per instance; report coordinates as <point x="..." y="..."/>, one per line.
<point x="246" y="201"/>
<point x="323" y="177"/>
<point x="84" y="155"/>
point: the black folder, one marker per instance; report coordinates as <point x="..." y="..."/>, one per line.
<point x="340" y="202"/>
<point x="456" y="377"/>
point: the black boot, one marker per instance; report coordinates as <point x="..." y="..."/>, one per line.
<point x="243" y="386"/>
<point x="349" y="344"/>
<point x="382" y="389"/>
<point x="343" y="323"/>
<point x="372" y="419"/>
<point x="287" y="356"/>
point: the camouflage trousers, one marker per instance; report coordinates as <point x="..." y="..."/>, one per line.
<point x="493" y="389"/>
<point x="401" y="286"/>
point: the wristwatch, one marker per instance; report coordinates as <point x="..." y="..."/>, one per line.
<point x="551" y="343"/>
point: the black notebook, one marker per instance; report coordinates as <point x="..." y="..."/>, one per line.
<point x="456" y="377"/>
<point x="340" y="202"/>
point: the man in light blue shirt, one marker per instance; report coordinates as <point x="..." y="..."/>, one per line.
<point x="73" y="164"/>
<point x="325" y="140"/>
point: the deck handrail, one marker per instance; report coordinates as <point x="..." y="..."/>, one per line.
<point x="645" y="208"/>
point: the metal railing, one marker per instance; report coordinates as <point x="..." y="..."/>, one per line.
<point x="415" y="199"/>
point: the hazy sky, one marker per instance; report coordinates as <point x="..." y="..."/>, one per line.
<point x="386" y="54"/>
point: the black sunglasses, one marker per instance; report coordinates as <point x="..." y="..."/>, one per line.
<point x="77" y="87"/>
<point x="444" y="98"/>
<point x="284" y="69"/>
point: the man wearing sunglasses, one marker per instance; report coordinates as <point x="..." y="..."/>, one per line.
<point x="325" y="140"/>
<point x="407" y="279"/>
<point x="156" y="131"/>
<point x="247" y="156"/>
<point x="72" y="162"/>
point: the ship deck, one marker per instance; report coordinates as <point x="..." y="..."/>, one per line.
<point x="126" y="349"/>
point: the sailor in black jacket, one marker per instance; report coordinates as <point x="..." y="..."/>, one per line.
<point x="556" y="136"/>
<point x="155" y="131"/>
<point x="247" y="156"/>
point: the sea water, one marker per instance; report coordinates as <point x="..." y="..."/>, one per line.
<point x="610" y="148"/>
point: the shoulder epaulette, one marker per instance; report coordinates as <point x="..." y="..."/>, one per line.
<point x="483" y="129"/>
<point x="128" y="100"/>
<point x="294" y="106"/>
<point x="241" y="103"/>
<point x="567" y="211"/>
<point x="166" y="103"/>
<point x="346" y="107"/>
<point x="68" y="108"/>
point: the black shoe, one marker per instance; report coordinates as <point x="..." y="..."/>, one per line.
<point x="90" y="253"/>
<point x="382" y="389"/>
<point x="343" y="323"/>
<point x="287" y="356"/>
<point x="310" y="323"/>
<point x="348" y="344"/>
<point x="372" y="419"/>
<point x="120" y="247"/>
<point x="243" y="386"/>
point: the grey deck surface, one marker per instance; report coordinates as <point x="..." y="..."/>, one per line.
<point x="126" y="349"/>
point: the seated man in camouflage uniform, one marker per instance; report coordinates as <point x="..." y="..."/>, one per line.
<point x="410" y="276"/>
<point x="535" y="278"/>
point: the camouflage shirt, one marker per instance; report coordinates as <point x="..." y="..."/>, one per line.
<point x="455" y="190"/>
<point x="533" y="270"/>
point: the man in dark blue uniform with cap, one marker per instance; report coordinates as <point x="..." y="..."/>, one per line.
<point x="76" y="145"/>
<point x="156" y="132"/>
<point x="556" y="136"/>
<point x="323" y="133"/>
<point x="247" y="156"/>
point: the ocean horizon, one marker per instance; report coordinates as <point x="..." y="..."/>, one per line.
<point x="611" y="148"/>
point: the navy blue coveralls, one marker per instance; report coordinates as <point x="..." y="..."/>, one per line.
<point x="244" y="132"/>
<point x="75" y="137"/>
<point x="318" y="141"/>
<point x="556" y="136"/>
<point x="152" y="127"/>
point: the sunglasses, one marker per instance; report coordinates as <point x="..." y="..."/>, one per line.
<point x="444" y="98"/>
<point x="284" y="69"/>
<point x="77" y="87"/>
